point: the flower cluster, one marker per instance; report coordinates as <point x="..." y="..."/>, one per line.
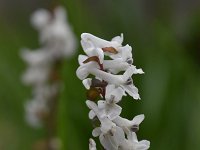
<point x="57" y="43"/>
<point x="106" y="72"/>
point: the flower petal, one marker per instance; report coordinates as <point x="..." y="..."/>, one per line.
<point x="131" y="90"/>
<point x="91" y="114"/>
<point x="113" y="94"/>
<point x="143" y="145"/>
<point x="93" y="106"/>
<point x="40" y="18"/>
<point x="106" y="124"/>
<point x="118" y="39"/>
<point x="92" y="144"/>
<point x="96" y="132"/>
<point x="87" y="83"/>
<point x="138" y="119"/>
<point x="116" y="65"/>
<point x="98" y="42"/>
<point x="113" y="111"/>
<point x="81" y="59"/>
<point x="105" y="141"/>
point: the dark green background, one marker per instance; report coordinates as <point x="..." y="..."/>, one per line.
<point x="165" y="36"/>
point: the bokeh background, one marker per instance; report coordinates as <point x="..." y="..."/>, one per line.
<point x="165" y="35"/>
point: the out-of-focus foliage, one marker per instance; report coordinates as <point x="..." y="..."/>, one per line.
<point x="165" y="36"/>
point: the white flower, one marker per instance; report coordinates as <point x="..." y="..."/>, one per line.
<point x="113" y="139"/>
<point x="106" y="123"/>
<point x="110" y="110"/>
<point x="107" y="108"/>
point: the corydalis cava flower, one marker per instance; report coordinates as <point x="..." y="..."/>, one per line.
<point x="114" y="132"/>
<point x="57" y="43"/>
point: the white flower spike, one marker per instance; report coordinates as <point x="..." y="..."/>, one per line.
<point x="57" y="42"/>
<point x="43" y="73"/>
<point x="106" y="89"/>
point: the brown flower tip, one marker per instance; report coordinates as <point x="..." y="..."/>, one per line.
<point x="96" y="59"/>
<point x="110" y="50"/>
<point x="93" y="58"/>
<point x="93" y="94"/>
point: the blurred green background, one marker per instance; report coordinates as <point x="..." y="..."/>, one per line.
<point x="165" y="36"/>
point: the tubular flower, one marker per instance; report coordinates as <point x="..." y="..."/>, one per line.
<point x="105" y="90"/>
